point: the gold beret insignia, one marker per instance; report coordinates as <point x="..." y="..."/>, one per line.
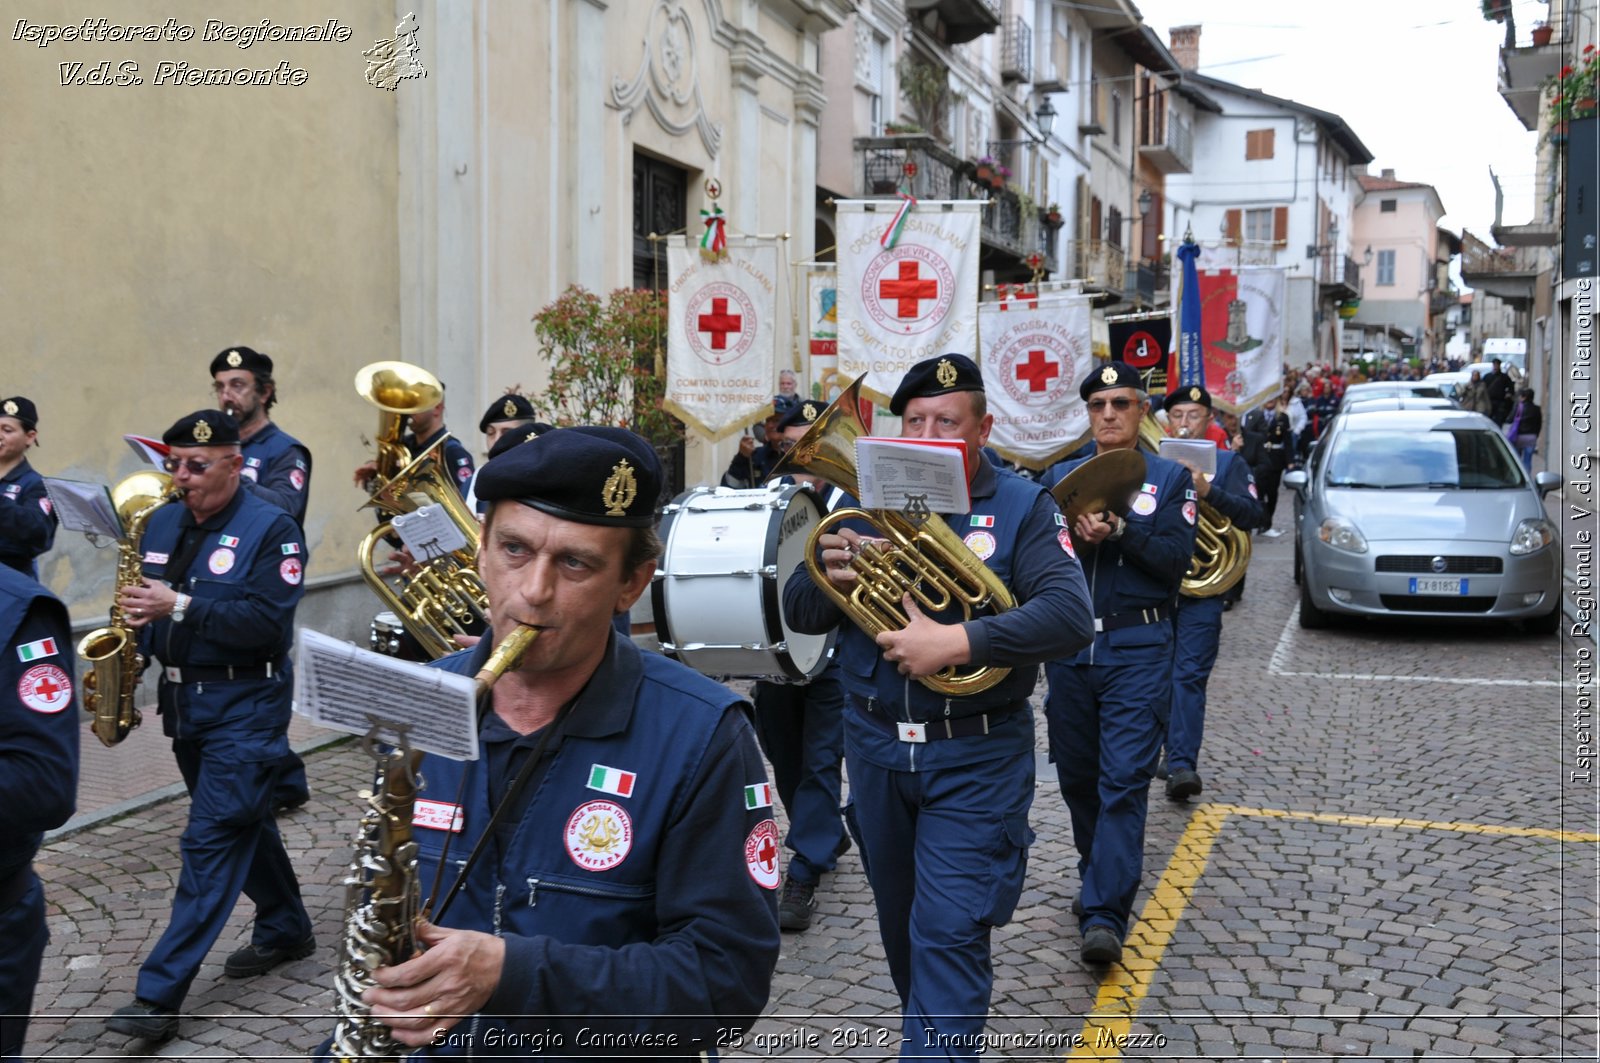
<point x="235" y="360"/>
<point x="202" y="431"/>
<point x="945" y="373"/>
<point x="620" y="490"/>
<point x="1108" y="375"/>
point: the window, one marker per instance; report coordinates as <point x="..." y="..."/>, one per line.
<point x="1258" y="226"/>
<point x="1388" y="206"/>
<point x="1114" y="227"/>
<point x="1116" y="116"/>
<point x="875" y="76"/>
<point x="1258" y="144"/>
<point x="1386" y="268"/>
<point x="1263" y="226"/>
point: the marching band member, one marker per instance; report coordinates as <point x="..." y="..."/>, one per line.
<point x="509" y="411"/>
<point x="223" y="574"/>
<point x="801" y="730"/>
<point x="941" y="786"/>
<point x="1107" y="707"/>
<point x="27" y="521"/>
<point x="1232" y="493"/>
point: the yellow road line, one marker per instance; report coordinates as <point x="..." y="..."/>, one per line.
<point x="1128" y="983"/>
<point x="1414" y="824"/>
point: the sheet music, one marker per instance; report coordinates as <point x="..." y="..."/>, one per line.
<point x="1202" y="453"/>
<point x="84" y="507"/>
<point x="429" y="532"/>
<point x="350" y="689"/>
<point x="913" y="474"/>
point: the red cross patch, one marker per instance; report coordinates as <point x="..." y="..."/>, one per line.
<point x="291" y="570"/>
<point x="45" y="688"/>
<point x="761" y="854"/>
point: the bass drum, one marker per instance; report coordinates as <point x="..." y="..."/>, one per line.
<point x="389" y="637"/>
<point x="718" y="589"/>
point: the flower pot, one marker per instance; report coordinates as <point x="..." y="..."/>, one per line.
<point x="1542" y="34"/>
<point x="985" y="174"/>
<point x="1053" y="218"/>
<point x="1558" y="133"/>
<point x="1585" y="108"/>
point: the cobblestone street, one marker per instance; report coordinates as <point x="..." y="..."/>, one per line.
<point x="1387" y="862"/>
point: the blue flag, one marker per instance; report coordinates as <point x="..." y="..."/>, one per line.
<point x="1191" y="357"/>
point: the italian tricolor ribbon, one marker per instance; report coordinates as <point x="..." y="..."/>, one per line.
<point x="714" y="241"/>
<point x="891" y="235"/>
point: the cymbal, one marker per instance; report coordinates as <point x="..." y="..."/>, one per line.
<point x="1108" y="480"/>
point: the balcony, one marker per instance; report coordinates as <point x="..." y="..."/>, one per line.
<point x="1533" y="234"/>
<point x="1524" y="70"/>
<point x="1016" y="50"/>
<point x="1507" y="273"/>
<point x="963" y="20"/>
<point x="1150" y="280"/>
<point x="1009" y="235"/>
<point x="1100" y="264"/>
<point x="1338" y="276"/>
<point x="1169" y="148"/>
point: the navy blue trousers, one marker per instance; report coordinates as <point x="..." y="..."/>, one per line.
<point x="1194" y="654"/>
<point x="230" y="845"/>
<point x="1106" y="723"/>
<point x="801" y="731"/>
<point x="23" y="929"/>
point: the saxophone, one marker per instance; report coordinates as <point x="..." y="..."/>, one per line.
<point x="112" y="653"/>
<point x="381" y="887"/>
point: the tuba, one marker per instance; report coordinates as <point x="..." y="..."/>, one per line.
<point x="111" y="652"/>
<point x="381" y="887"/>
<point x="924" y="558"/>
<point x="444" y="595"/>
<point x="398" y="390"/>
<point x="1221" y="551"/>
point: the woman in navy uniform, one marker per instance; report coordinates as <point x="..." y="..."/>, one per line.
<point x="625" y="903"/>
<point x="39" y="724"/>
<point x="1231" y="491"/>
<point x="223" y="573"/>
<point x="941" y="786"/>
<point x="1107" y="709"/>
<point x="27" y="523"/>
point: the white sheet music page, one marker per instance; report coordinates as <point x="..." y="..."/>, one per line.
<point x="429" y="532"/>
<point x="84" y="507"/>
<point x="1202" y="453"/>
<point x="928" y="475"/>
<point x="350" y="689"/>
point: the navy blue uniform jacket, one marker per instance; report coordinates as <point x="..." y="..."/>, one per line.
<point x="277" y="467"/>
<point x="27" y="523"/>
<point x="454" y="457"/>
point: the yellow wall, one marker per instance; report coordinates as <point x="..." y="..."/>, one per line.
<point x="148" y="226"/>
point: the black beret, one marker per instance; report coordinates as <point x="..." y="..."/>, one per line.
<point x="586" y="474"/>
<point x="506" y="408"/>
<point x="241" y="358"/>
<point x="22" y="409"/>
<point x="520" y="434"/>
<point x="804" y="414"/>
<point x="203" y="428"/>
<point x="1192" y="393"/>
<point x="1110" y="375"/>
<point x="936" y="376"/>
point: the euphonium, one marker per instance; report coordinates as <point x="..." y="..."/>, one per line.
<point x="1221" y="551"/>
<point x="398" y="390"/>
<point x="112" y="683"/>
<point x="925" y="559"/>
<point x="381" y="888"/>
<point x="443" y="595"/>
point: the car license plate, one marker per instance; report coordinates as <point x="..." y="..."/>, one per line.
<point x="1435" y="585"/>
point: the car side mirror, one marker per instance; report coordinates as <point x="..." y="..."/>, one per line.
<point x="1545" y="481"/>
<point x="1296" y="480"/>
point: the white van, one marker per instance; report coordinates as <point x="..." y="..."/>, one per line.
<point x="1509" y="349"/>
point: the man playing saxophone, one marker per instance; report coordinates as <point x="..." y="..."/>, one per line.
<point x="1232" y="493"/>
<point x="223" y="571"/>
<point x="622" y="901"/>
<point x="941" y="785"/>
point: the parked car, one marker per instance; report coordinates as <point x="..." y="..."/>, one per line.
<point x="1423" y="513"/>
<point x="1369" y="403"/>
<point x="1449" y="383"/>
<point x="1391" y="388"/>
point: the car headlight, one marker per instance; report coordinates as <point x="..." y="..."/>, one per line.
<point x="1535" y="533"/>
<point x="1342" y="535"/>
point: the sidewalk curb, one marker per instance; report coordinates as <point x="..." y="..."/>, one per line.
<point x="89" y="820"/>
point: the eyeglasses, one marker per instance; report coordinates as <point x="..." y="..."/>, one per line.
<point x="195" y="466"/>
<point x="237" y="386"/>
<point x="1097" y="405"/>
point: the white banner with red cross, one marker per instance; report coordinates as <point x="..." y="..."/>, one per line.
<point x="911" y="300"/>
<point x="1035" y="354"/>
<point x="723" y="328"/>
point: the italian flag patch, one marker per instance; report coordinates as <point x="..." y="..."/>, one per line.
<point x="227" y="540"/>
<point x="613" y="781"/>
<point x="758" y="796"/>
<point x="35" y="650"/>
<point x="982" y="521"/>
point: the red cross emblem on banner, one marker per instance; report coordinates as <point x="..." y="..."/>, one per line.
<point x="1038" y="370"/>
<point x="720" y="324"/>
<point x="908" y="289"/>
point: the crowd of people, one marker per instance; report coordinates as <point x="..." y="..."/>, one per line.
<point x="629" y="788"/>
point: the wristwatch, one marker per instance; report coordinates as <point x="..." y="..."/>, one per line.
<point x="178" y="608"/>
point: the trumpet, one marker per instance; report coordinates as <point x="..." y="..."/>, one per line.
<point x="923" y="558"/>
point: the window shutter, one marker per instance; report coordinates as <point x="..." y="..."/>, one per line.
<point x="1150" y="228"/>
<point x="1094" y="218"/>
<point x="1280" y="225"/>
<point x="1232" y="228"/>
<point x="1266" y="143"/>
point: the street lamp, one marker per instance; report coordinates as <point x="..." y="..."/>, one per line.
<point x="1313" y="250"/>
<point x="1046" y="117"/>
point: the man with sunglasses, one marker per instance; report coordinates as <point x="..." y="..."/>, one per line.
<point x="223" y="572"/>
<point x="1107" y="708"/>
<point x="277" y="467"/>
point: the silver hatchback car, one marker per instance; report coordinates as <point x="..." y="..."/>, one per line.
<point x="1423" y="513"/>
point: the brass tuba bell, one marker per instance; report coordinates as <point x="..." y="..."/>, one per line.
<point x="1221" y="551"/>
<point x="926" y="559"/>
<point x="398" y="390"/>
